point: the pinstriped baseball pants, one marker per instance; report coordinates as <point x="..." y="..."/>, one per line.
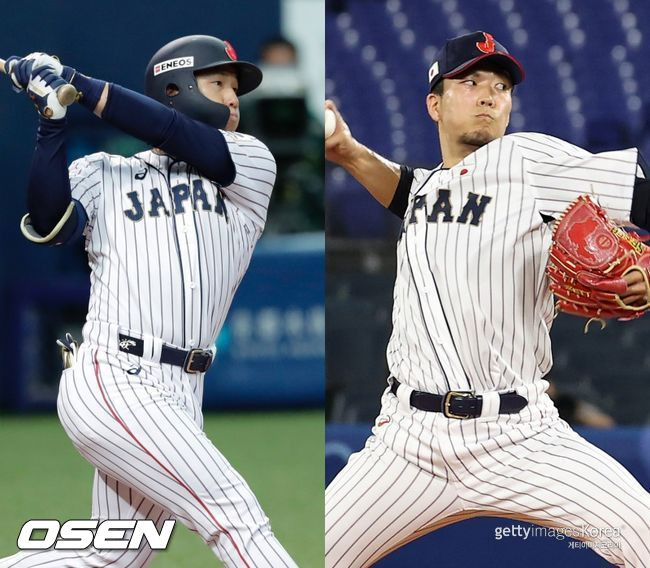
<point x="142" y="430"/>
<point x="539" y="471"/>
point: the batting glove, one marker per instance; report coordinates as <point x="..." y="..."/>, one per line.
<point x="20" y="68"/>
<point x="69" y="347"/>
<point x="42" y="89"/>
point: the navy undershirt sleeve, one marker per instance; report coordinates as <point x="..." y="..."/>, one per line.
<point x="640" y="211"/>
<point x="196" y="143"/>
<point x="48" y="187"/>
<point x="399" y="202"/>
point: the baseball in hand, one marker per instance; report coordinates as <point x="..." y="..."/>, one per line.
<point x="330" y="122"/>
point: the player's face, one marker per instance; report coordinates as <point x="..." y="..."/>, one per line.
<point x="221" y="86"/>
<point x="474" y="108"/>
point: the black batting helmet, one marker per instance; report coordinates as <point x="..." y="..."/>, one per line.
<point x="170" y="76"/>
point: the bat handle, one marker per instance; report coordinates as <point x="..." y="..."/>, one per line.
<point x="66" y="94"/>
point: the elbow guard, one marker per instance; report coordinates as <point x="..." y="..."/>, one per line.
<point x="67" y="230"/>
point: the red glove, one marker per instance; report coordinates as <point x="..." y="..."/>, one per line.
<point x="588" y="260"/>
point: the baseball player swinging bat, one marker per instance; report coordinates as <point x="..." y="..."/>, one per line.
<point x="66" y="94"/>
<point x="148" y="474"/>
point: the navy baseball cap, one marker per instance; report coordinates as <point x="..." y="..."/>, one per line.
<point x="463" y="52"/>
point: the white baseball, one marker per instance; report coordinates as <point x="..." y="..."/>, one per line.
<point x="330" y="122"/>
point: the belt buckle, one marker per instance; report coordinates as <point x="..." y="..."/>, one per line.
<point x="446" y="404"/>
<point x="189" y="360"/>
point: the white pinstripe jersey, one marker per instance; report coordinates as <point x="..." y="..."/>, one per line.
<point x="168" y="248"/>
<point x="472" y="309"/>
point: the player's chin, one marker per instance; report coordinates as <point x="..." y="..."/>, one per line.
<point x="233" y="122"/>
<point x="479" y="137"/>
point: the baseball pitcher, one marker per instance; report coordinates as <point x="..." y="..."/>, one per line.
<point x="466" y="427"/>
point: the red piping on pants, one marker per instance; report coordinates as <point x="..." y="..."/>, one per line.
<point x="192" y="493"/>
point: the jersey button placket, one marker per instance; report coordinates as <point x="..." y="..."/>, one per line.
<point x="192" y="287"/>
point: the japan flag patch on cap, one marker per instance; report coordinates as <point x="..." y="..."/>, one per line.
<point x="433" y="71"/>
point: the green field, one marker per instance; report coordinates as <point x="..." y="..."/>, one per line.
<point x="281" y="455"/>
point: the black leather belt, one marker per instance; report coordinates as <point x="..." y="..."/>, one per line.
<point x="193" y="361"/>
<point x="460" y="404"/>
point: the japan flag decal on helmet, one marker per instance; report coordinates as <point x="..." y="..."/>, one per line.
<point x="230" y="50"/>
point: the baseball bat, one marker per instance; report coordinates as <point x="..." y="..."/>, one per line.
<point x="66" y="94"/>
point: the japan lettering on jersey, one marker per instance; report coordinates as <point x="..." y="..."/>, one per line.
<point x="167" y="247"/>
<point x="472" y="310"/>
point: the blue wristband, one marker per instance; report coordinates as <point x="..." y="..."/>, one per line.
<point x="91" y="89"/>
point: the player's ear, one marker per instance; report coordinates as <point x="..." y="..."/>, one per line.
<point x="433" y="106"/>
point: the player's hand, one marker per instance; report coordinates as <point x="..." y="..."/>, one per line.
<point x="42" y="89"/>
<point x="637" y="293"/>
<point x="20" y="68"/>
<point x="341" y="146"/>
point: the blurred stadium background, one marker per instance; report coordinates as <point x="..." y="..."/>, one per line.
<point x="588" y="82"/>
<point x="268" y="380"/>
